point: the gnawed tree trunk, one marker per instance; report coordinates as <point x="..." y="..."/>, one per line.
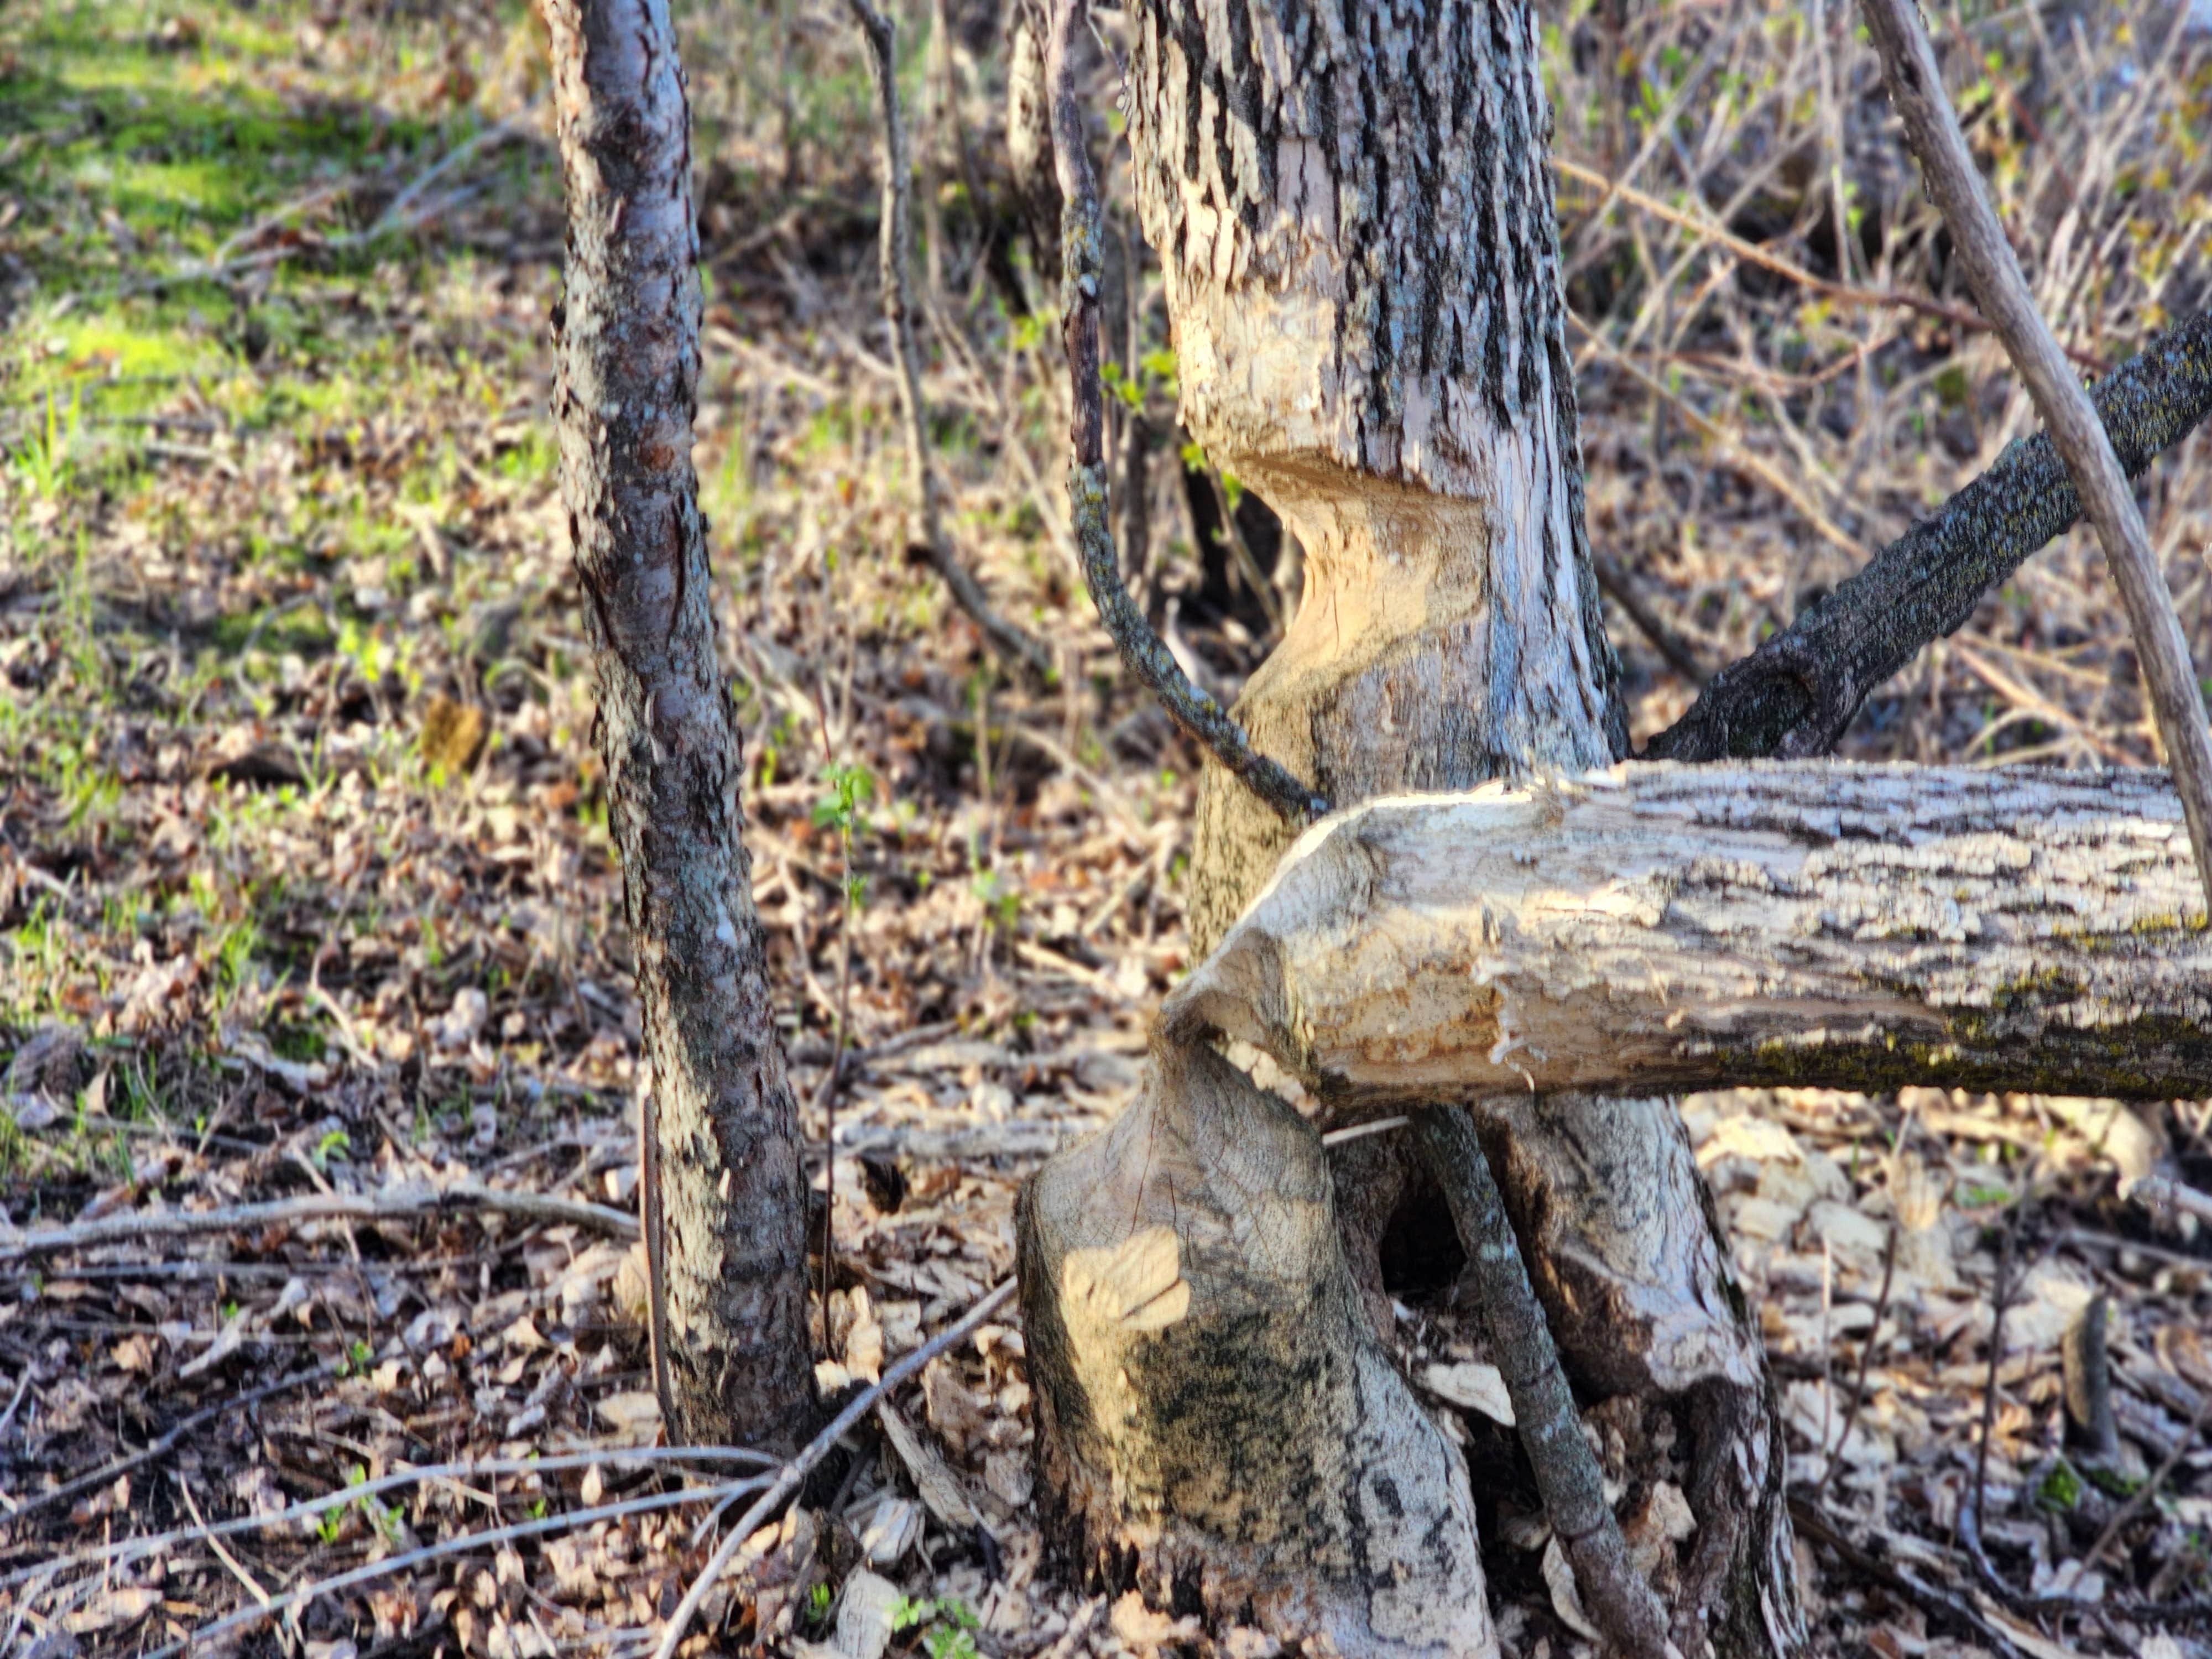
<point x="1216" y="1421"/>
<point x="724" y="1210"/>
<point x="1353" y="210"/>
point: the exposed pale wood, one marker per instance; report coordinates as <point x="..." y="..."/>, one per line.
<point x="725" y="1215"/>
<point x="1354" y="217"/>
<point x="1353" y="212"/>
<point x="1217" y="1424"/>
<point x="1663" y="926"/>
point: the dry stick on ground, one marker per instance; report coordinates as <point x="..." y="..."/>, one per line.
<point x="797" y="1470"/>
<point x="2157" y="1192"/>
<point x="1082" y="262"/>
<point x="394" y="1204"/>
<point x="1544" y="1413"/>
<point x="460" y="1544"/>
<point x="2141" y="1498"/>
<point x="1835" y="1458"/>
<point x="122" y="1551"/>
<point x="896" y="256"/>
<point x="1939" y="1605"/>
<point x="1796" y="693"/>
<point x="1916" y="88"/>
<point x="1972" y="1513"/>
<point x="108" y="1472"/>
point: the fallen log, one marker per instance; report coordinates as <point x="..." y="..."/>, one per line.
<point x="1656" y="927"/>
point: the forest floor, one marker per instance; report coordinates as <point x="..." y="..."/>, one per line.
<point x="306" y="896"/>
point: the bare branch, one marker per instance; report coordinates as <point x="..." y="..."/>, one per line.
<point x="1916" y="88"/>
<point x="2158" y="1193"/>
<point x="1620" y="587"/>
<point x="1751" y="253"/>
<point x="394" y="1204"/>
<point x="1544" y="1414"/>
<point x="1082" y="258"/>
<point x="1798" y="691"/>
<point x="896" y="256"/>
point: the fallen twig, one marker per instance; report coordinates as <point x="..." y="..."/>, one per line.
<point x="796" y="1470"/>
<point x="391" y="1204"/>
<point x="122" y="1551"/>
<point x="1866" y="1354"/>
<point x="108" y="1472"/>
<point x="1939" y="1605"/>
<point x="458" y="1545"/>
<point x="2158" y="1193"/>
<point x="2140" y="1498"/>
<point x="1916" y="88"/>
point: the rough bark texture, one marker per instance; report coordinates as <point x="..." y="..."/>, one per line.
<point x="1354" y="216"/>
<point x="1766" y="923"/>
<point x="724" y="1215"/>
<point x="1801" y="689"/>
<point x="1567" y="1473"/>
<point x="1216" y="1422"/>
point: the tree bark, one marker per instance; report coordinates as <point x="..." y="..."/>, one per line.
<point x="1800" y="689"/>
<point x="1660" y="926"/>
<point x="1216" y="1422"/>
<point x="1354" y="215"/>
<point x="723" y="1194"/>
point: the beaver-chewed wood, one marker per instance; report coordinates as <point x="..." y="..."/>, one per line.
<point x="1217" y="1424"/>
<point x="1665" y="926"/>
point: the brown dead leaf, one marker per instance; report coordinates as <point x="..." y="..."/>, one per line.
<point x="453" y="734"/>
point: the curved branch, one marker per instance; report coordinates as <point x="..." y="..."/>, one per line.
<point x="1012" y="642"/>
<point x="1916" y="89"/>
<point x="1797" y="692"/>
<point x="1082" y="260"/>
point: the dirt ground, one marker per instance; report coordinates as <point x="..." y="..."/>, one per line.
<point x="306" y="896"/>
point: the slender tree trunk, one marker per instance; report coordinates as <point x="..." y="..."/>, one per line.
<point x="1353" y="210"/>
<point x="722" y="1191"/>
